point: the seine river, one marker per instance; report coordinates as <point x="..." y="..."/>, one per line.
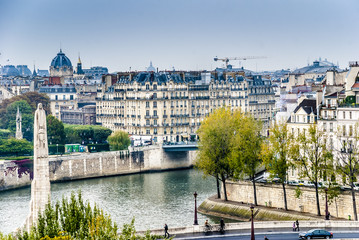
<point x="152" y="198"/>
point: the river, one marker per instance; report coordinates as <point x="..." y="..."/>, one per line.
<point x="153" y="199"/>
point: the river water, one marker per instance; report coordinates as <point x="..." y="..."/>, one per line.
<point x="153" y="199"/>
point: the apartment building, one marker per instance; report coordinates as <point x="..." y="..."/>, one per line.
<point x="169" y="106"/>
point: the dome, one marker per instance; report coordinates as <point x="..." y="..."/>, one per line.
<point x="151" y="68"/>
<point x="61" y="61"/>
<point x="10" y="71"/>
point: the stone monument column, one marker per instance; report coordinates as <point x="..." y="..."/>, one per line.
<point x="18" y="125"/>
<point x="40" y="185"/>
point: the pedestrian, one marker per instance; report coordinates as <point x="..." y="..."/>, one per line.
<point x="167" y="235"/>
<point x="265" y="238"/>
<point x="221" y="223"/>
<point x="297" y="223"/>
<point x="294" y="227"/>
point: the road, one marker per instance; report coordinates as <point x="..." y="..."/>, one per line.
<point x="270" y="235"/>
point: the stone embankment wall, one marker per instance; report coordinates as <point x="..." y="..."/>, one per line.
<point x="90" y="165"/>
<point x="272" y="195"/>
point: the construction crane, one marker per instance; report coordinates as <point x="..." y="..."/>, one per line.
<point x="227" y="59"/>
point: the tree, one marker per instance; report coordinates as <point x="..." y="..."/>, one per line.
<point x="15" y="147"/>
<point x="311" y="156"/>
<point x="32" y="99"/>
<point x="347" y="158"/>
<point x="215" y="147"/>
<point x="119" y="140"/>
<point x="276" y="154"/>
<point x="85" y="134"/>
<point x="247" y="149"/>
<point x="55" y="130"/>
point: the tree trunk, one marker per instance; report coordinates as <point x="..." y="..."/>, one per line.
<point x="285" y="197"/>
<point x="254" y="192"/>
<point x="224" y="188"/>
<point x="218" y="188"/>
<point x="317" y="197"/>
<point x="354" y="204"/>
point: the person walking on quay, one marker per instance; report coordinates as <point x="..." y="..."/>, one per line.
<point x="297" y="223"/>
<point x="167" y="235"/>
<point x="294" y="227"/>
<point x="221" y="224"/>
<point x="265" y="238"/>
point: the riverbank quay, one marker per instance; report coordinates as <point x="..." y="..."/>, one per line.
<point x="17" y="174"/>
<point x="261" y="227"/>
<point x="271" y="195"/>
<point x="242" y="212"/>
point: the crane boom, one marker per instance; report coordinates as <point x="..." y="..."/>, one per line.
<point x="227" y="59"/>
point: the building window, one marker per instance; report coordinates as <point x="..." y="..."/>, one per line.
<point x="331" y="127"/>
<point x="147" y="122"/>
<point x="155" y="131"/>
<point x="154" y="112"/>
<point x="147" y="104"/>
<point x="154" y="104"/>
<point x="56" y="97"/>
<point x="344" y="130"/>
<point x="350" y="130"/>
<point x="64" y="97"/>
<point x="71" y="97"/>
<point x="155" y="122"/>
<point x="155" y="87"/>
<point x="343" y="115"/>
<point x="147" y="113"/>
<point x="154" y="95"/>
<point x="148" y="132"/>
<point x="324" y="127"/>
<point x="350" y="115"/>
<point x="147" y="87"/>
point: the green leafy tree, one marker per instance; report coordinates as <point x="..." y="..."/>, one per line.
<point x="55" y="130"/>
<point x="276" y="154"/>
<point x="32" y="99"/>
<point x="247" y="149"/>
<point x="5" y="133"/>
<point x="119" y="140"/>
<point x="15" y="147"/>
<point x="75" y="219"/>
<point x="85" y="134"/>
<point x="311" y="156"/>
<point x="215" y="147"/>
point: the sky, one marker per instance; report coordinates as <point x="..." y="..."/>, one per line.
<point x="180" y="34"/>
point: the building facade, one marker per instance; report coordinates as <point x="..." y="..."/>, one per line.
<point x="169" y="106"/>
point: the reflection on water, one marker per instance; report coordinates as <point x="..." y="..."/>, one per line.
<point x="152" y="199"/>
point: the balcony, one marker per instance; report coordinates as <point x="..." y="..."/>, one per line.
<point x="164" y="116"/>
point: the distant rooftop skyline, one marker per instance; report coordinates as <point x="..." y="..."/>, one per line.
<point x="183" y="34"/>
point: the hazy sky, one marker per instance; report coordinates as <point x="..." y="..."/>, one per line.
<point x="185" y="34"/>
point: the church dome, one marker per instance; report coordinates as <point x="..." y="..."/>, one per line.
<point x="151" y="68"/>
<point x="61" y="61"/>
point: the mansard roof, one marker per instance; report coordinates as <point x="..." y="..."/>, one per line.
<point x="308" y="105"/>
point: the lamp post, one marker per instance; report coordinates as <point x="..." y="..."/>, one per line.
<point x="326" y="204"/>
<point x="195" y="209"/>
<point x="252" y="224"/>
<point x="57" y="149"/>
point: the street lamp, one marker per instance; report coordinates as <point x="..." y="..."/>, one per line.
<point x="195" y="209"/>
<point x="252" y="226"/>
<point x="326" y="204"/>
<point x="57" y="149"/>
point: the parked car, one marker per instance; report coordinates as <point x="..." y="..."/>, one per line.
<point x="316" y="233"/>
<point x="293" y="182"/>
